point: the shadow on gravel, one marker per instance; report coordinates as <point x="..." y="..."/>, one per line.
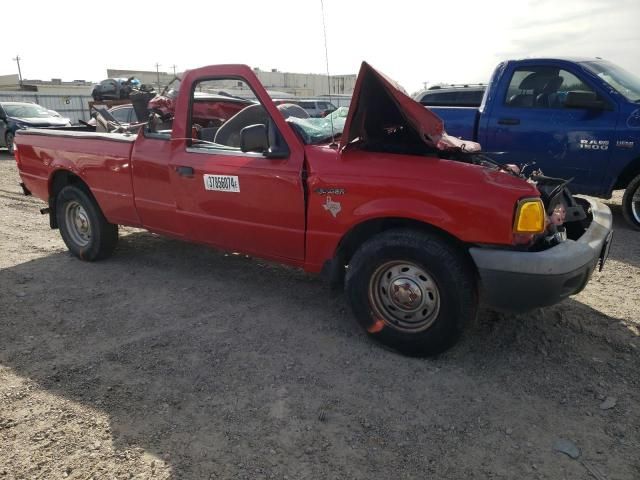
<point x="218" y="363"/>
<point x="626" y="240"/>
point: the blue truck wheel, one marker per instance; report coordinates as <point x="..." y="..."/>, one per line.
<point x="631" y="203"/>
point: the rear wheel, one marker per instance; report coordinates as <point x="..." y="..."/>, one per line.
<point x="411" y="291"/>
<point x="631" y="203"/>
<point x="9" y="142"/>
<point x="83" y="227"/>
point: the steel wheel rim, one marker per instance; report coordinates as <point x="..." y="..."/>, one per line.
<point x="404" y="296"/>
<point x="635" y="205"/>
<point x="78" y="224"/>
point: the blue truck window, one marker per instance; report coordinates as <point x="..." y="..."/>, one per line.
<point x="545" y="87"/>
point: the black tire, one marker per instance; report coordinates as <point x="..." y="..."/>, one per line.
<point x="430" y="260"/>
<point x="631" y="207"/>
<point x="8" y="138"/>
<point x="93" y="243"/>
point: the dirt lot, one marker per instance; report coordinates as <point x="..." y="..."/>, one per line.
<point x="175" y="361"/>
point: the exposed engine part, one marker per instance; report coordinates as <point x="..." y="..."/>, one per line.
<point x="554" y="235"/>
<point x="559" y="214"/>
<point x="554" y="193"/>
<point x="565" y="216"/>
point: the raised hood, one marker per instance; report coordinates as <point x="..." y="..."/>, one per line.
<point x="382" y="117"/>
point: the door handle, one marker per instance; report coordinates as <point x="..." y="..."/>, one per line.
<point x="185" y="171"/>
<point x="509" y="121"/>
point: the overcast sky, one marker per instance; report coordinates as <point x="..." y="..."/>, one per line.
<point x="411" y="41"/>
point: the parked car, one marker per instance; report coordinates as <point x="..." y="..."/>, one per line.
<point x="453" y="95"/>
<point x="419" y="226"/>
<point x="316" y="108"/>
<point x="15" y="116"/>
<point x="575" y="118"/>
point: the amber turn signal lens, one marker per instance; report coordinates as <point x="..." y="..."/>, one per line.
<point x="529" y="216"/>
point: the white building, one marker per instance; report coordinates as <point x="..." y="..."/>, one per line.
<point x="296" y="84"/>
<point x="306" y="84"/>
<point x="55" y="86"/>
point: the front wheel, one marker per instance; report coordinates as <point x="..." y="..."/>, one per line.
<point x="83" y="227"/>
<point x="411" y="291"/>
<point x="631" y="203"/>
<point x="9" y="142"/>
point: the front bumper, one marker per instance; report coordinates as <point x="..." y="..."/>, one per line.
<point x="515" y="281"/>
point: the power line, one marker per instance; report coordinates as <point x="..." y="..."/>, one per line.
<point x="17" y="60"/>
<point x="158" y="73"/>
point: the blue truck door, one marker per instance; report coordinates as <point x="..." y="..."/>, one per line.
<point x="529" y="122"/>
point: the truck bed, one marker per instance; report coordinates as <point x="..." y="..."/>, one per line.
<point x="103" y="162"/>
<point x="459" y="121"/>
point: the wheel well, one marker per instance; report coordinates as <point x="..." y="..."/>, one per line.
<point x="362" y="232"/>
<point x="59" y="180"/>
<point x="628" y="174"/>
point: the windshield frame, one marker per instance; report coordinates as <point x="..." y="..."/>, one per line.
<point x="616" y="78"/>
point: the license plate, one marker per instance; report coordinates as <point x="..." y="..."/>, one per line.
<point x="222" y="183"/>
<point x="605" y="250"/>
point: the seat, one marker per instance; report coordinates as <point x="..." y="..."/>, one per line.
<point x="229" y="133"/>
<point x="535" y="83"/>
<point x="521" y="100"/>
<point x="549" y="96"/>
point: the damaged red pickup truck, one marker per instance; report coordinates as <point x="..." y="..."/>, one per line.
<point x="420" y="227"/>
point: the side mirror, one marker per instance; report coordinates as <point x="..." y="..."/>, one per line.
<point x="254" y="138"/>
<point x="587" y="100"/>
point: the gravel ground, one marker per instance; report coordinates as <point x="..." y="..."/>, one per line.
<point x="173" y="361"/>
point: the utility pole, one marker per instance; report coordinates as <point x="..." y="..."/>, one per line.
<point x="158" y="74"/>
<point x="174" y="70"/>
<point x="424" y="84"/>
<point x="17" y="60"/>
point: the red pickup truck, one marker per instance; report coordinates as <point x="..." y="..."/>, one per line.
<point x="418" y="226"/>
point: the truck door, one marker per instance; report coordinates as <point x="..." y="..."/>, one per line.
<point x="246" y="201"/>
<point x="530" y="122"/>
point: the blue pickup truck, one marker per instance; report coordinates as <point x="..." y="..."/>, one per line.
<point x="575" y="118"/>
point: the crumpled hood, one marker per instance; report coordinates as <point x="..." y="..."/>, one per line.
<point x="380" y="109"/>
<point x="42" y="122"/>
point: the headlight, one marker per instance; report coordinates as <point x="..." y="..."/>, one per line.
<point x="530" y="216"/>
<point x="21" y="125"/>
